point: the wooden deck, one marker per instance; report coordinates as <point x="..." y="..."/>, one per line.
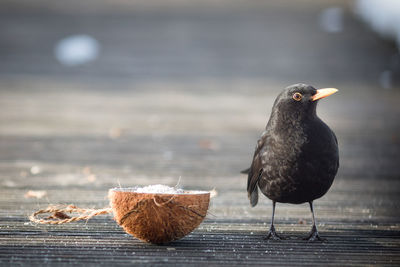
<point x="182" y="92"/>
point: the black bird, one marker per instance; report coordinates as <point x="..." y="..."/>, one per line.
<point x="296" y="157"/>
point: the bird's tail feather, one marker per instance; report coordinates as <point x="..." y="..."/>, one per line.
<point x="254" y="197"/>
<point x="246" y="171"/>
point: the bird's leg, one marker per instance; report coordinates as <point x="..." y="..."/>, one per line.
<point x="313" y="236"/>
<point x="272" y="233"/>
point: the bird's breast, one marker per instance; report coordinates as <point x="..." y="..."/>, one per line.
<point x="299" y="164"/>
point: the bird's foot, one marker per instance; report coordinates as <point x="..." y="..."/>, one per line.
<point x="272" y="234"/>
<point x="314" y="236"/>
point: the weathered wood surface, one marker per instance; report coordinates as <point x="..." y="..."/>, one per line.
<point x="184" y="92"/>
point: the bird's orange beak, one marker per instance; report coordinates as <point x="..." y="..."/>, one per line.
<point x="321" y="93"/>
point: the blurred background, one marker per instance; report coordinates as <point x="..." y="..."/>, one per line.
<point x="97" y="93"/>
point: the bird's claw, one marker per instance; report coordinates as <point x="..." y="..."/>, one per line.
<point x="314" y="236"/>
<point x="272" y="234"/>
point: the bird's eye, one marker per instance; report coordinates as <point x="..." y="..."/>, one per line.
<point x="297" y="96"/>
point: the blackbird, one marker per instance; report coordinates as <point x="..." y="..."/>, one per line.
<point x="296" y="157"/>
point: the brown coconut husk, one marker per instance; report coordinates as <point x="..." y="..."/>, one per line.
<point x="156" y="217"/>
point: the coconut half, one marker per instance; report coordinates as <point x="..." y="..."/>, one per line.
<point x="158" y="214"/>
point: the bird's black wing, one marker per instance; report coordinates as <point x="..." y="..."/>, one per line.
<point x="334" y="135"/>
<point x="255" y="171"/>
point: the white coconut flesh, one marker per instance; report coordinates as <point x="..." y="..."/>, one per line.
<point x="158" y="189"/>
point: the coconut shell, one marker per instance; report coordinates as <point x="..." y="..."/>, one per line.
<point x="158" y="218"/>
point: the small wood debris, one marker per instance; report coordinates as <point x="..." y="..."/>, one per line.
<point x="208" y="144"/>
<point x="86" y="170"/>
<point x="115" y="133"/>
<point x="302" y="221"/>
<point x="91" y="178"/>
<point x="35" y="194"/>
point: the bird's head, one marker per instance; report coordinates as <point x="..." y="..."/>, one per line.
<point x="300" y="100"/>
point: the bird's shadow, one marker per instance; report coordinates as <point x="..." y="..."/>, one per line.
<point x="342" y="239"/>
